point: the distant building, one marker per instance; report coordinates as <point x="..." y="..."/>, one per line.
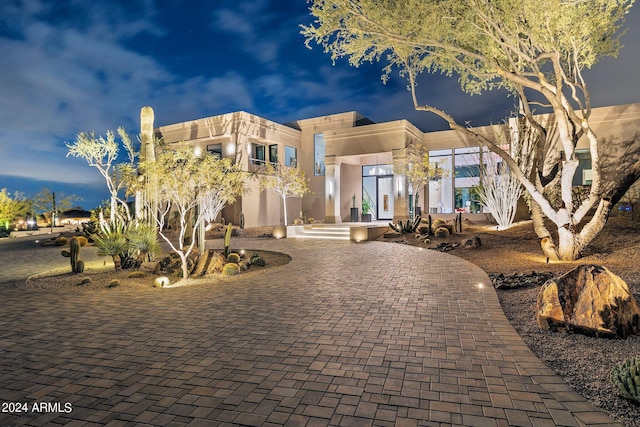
<point x="347" y="154"/>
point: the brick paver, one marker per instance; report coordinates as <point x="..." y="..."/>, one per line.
<point x="372" y="334"/>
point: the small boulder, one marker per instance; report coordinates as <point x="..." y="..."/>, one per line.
<point x="152" y="267"/>
<point x="590" y="300"/>
<point x="472" y="243"/>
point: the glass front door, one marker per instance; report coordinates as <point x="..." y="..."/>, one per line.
<point x="385" y="197"/>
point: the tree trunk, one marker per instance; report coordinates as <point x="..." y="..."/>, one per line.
<point x="284" y="204"/>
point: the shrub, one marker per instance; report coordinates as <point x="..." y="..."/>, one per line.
<point x="258" y="260"/>
<point x="61" y="241"/>
<point x="298" y="221"/>
<point x="82" y="240"/>
<point x="86" y="281"/>
<point x="441" y="232"/>
<point x="231" y="269"/>
<point x="626" y="377"/>
<point x="113" y="283"/>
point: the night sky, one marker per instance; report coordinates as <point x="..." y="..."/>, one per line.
<point x="74" y="66"/>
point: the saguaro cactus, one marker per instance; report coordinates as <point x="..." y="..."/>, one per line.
<point x="77" y="265"/>
<point x="227" y="240"/>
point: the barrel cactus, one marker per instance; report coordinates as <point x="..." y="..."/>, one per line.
<point x="231" y="269"/>
<point x="626" y="377"/>
<point x="441" y="232"/>
<point x="233" y="257"/>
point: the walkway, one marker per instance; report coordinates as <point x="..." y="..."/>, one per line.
<point x="370" y="334"/>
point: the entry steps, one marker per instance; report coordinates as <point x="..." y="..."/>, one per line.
<point x="319" y="231"/>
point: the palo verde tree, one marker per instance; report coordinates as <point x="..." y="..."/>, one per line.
<point x="287" y="181"/>
<point x="536" y="50"/>
<point x="194" y="185"/>
<point x="102" y="153"/>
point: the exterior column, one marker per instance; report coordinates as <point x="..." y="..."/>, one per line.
<point x="332" y="191"/>
<point x="400" y="186"/>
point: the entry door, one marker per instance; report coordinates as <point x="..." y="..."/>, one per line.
<point x="385" y="197"/>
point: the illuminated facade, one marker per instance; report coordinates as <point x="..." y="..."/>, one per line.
<point x="346" y="155"/>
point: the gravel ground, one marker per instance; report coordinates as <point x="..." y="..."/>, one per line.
<point x="583" y="362"/>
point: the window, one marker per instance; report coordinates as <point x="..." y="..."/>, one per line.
<point x="440" y="187"/>
<point x="215" y="149"/>
<point x="467" y="177"/>
<point x="319" y="153"/>
<point x="290" y="156"/>
<point x="273" y="154"/>
<point x="583" y="173"/>
<point x="257" y="154"/>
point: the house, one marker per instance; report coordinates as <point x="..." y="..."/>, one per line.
<point x="345" y="155"/>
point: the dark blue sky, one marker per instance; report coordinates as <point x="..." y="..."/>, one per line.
<point x="74" y="66"/>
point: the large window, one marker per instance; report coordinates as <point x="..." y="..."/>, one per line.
<point x="290" y="156"/>
<point x="319" y="153"/>
<point x="467" y="178"/>
<point x="440" y="187"/>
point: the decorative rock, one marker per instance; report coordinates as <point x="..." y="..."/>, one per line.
<point x="445" y="247"/>
<point x="473" y="243"/>
<point x="523" y="280"/>
<point x="152" y="267"/>
<point x="161" y="282"/>
<point x="590" y="300"/>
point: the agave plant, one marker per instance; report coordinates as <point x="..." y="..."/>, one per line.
<point x="626" y="377"/>
<point x="143" y="242"/>
<point x="111" y="240"/>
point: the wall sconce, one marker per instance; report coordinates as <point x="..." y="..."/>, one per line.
<point x="197" y="151"/>
<point x="330" y="189"/>
<point x="399" y="181"/>
<point x="230" y="150"/>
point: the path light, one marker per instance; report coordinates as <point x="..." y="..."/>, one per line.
<point x="279" y="232"/>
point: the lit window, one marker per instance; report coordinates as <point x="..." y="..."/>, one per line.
<point x="290" y="156"/>
<point x="319" y="153"/>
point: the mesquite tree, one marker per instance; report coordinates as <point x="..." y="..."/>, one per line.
<point x="194" y="185"/>
<point x="536" y="50"/>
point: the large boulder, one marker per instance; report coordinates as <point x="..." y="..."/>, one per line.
<point x="590" y="300"/>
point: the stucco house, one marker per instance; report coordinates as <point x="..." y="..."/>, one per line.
<point x="345" y="155"/>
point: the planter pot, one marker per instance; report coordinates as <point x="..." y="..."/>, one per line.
<point x="366" y="217"/>
<point x="354" y="214"/>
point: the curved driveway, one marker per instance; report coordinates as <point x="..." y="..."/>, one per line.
<point x="371" y="334"/>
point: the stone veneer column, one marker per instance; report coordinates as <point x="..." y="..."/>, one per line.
<point x="400" y="186"/>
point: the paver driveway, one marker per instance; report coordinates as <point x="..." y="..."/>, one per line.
<point x="345" y="335"/>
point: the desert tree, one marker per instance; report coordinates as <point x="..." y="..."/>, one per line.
<point x="287" y="181"/>
<point x="417" y="169"/>
<point x="50" y="203"/>
<point x="535" y="50"/>
<point x="102" y="153"/>
<point x="194" y="186"/>
<point x="11" y="207"/>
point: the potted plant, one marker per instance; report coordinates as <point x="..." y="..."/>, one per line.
<point x="366" y="209"/>
<point x="354" y="209"/>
